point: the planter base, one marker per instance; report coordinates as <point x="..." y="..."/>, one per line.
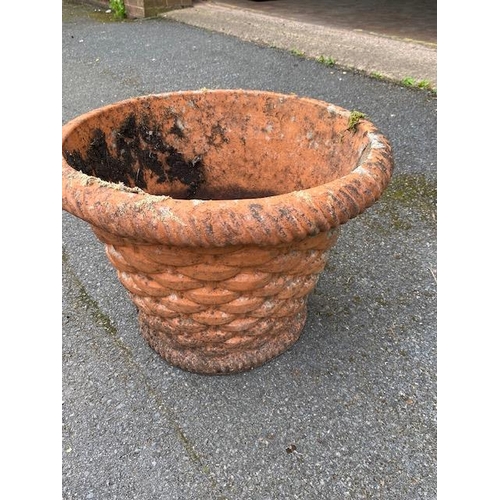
<point x="220" y="310"/>
<point x="197" y="361"/>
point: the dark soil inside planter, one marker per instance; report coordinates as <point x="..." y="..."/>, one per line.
<point x="139" y="157"/>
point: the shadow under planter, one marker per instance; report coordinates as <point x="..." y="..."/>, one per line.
<point x="218" y="208"/>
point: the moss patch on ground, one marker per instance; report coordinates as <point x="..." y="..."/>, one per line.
<point x="413" y="194"/>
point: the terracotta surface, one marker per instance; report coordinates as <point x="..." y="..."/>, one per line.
<point x="218" y="209"/>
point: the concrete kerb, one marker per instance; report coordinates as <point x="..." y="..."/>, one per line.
<point x="393" y="59"/>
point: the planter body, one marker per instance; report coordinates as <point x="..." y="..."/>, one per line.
<point x="217" y="209"/>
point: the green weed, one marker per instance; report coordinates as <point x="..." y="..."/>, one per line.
<point x="327" y="61"/>
<point x="118" y="8"/>
<point x="421" y="84"/>
<point x="408" y="82"/>
<point x="354" y="118"/>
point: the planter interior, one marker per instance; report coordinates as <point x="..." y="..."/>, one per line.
<point x="218" y="209"/>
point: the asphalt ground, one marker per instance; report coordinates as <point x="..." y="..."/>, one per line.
<point x="350" y="410"/>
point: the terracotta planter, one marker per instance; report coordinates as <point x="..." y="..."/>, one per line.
<point x="218" y="209"/>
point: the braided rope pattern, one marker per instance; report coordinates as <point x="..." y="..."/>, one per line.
<point x="273" y="220"/>
<point x="220" y="310"/>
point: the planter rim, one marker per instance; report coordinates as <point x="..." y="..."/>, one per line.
<point x="283" y="218"/>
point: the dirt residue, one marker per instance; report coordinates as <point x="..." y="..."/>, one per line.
<point x="136" y="155"/>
